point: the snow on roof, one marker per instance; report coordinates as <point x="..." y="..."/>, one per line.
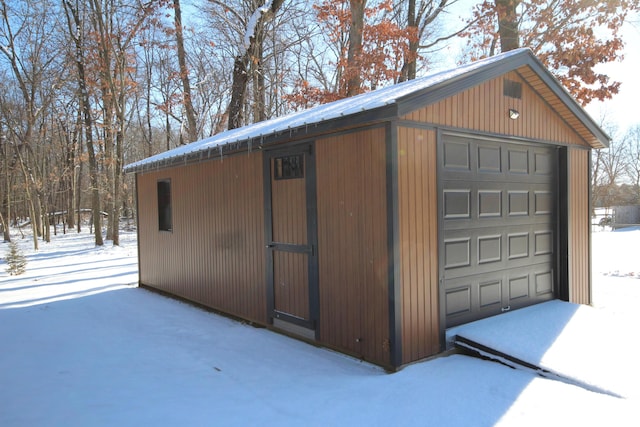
<point x="341" y="108"/>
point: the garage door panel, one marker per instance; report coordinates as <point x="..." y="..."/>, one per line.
<point x="489" y="249"/>
<point x="473" y="297"/>
<point x="459" y="301"/>
<point x="457" y="203"/>
<point x="474" y="251"/>
<point x="518" y="161"/>
<point x="518" y="287"/>
<point x="543" y="243"/>
<point x="543" y="163"/>
<point x="457" y="253"/>
<point x="456" y="155"/>
<point x="518" y="203"/>
<point x="498" y="204"/>
<point x="517" y="245"/>
<point x="490" y="203"/>
<point x="543" y="202"/>
<point x="490" y="159"/>
<point x="480" y="204"/>
<point x="543" y="282"/>
<point x="490" y="294"/>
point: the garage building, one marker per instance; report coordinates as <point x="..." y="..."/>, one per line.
<point x="372" y="224"/>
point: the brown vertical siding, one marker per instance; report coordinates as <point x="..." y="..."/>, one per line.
<point x="579" y="226"/>
<point x="352" y="243"/>
<point x="485" y="108"/>
<point x="215" y="253"/>
<point x="418" y="219"/>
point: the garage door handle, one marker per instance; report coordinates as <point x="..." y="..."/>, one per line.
<point x="507" y="308"/>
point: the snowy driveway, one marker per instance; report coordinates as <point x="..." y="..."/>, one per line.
<point x="574" y="343"/>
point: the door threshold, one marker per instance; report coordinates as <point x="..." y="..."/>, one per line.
<point x="291" y="328"/>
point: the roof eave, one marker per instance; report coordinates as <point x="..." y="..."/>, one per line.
<point x="550" y="80"/>
<point x="292" y="135"/>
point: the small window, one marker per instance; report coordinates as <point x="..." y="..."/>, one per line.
<point x="164" y="205"/>
<point x="512" y="89"/>
<point x="288" y="167"/>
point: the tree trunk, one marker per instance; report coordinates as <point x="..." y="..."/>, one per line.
<point x="238" y="91"/>
<point x="409" y="68"/>
<point x="74" y="25"/>
<point x="354" y="54"/>
<point x="257" y="73"/>
<point x="119" y="162"/>
<point x="5" y="228"/>
<point x="6" y="202"/>
<point x="508" y="24"/>
<point x="241" y="65"/>
<point x="77" y="174"/>
<point x="31" y="206"/>
<point x="192" y="129"/>
<point x="71" y="184"/>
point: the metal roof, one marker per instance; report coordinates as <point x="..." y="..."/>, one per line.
<point x="385" y="104"/>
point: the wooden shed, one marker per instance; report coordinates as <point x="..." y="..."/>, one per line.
<point x="372" y="224"/>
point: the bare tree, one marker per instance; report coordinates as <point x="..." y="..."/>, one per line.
<point x="7" y="188"/>
<point x="424" y="18"/>
<point x="249" y="57"/>
<point x="632" y="140"/>
<point x="192" y="128"/>
<point x="25" y="33"/>
<point x="608" y="168"/>
<point x="76" y="27"/>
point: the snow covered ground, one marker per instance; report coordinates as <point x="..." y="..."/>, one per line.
<point x="81" y="345"/>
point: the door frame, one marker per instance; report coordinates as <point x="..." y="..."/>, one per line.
<point x="308" y="149"/>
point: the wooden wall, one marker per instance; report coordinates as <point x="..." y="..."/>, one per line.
<point x="352" y="244"/>
<point x="418" y="220"/>
<point x="485" y="108"/>
<point x="579" y="226"/>
<point x="215" y="253"/>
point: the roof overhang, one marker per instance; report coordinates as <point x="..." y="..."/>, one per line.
<point x="371" y="108"/>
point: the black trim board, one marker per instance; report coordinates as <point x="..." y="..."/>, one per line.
<point x="393" y="246"/>
<point x="268" y="233"/>
<point x="477" y="134"/>
<point x="589" y="233"/>
<point x="442" y="315"/>
<point x="312" y="238"/>
<point x="137" y="193"/>
<point x="562" y="231"/>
